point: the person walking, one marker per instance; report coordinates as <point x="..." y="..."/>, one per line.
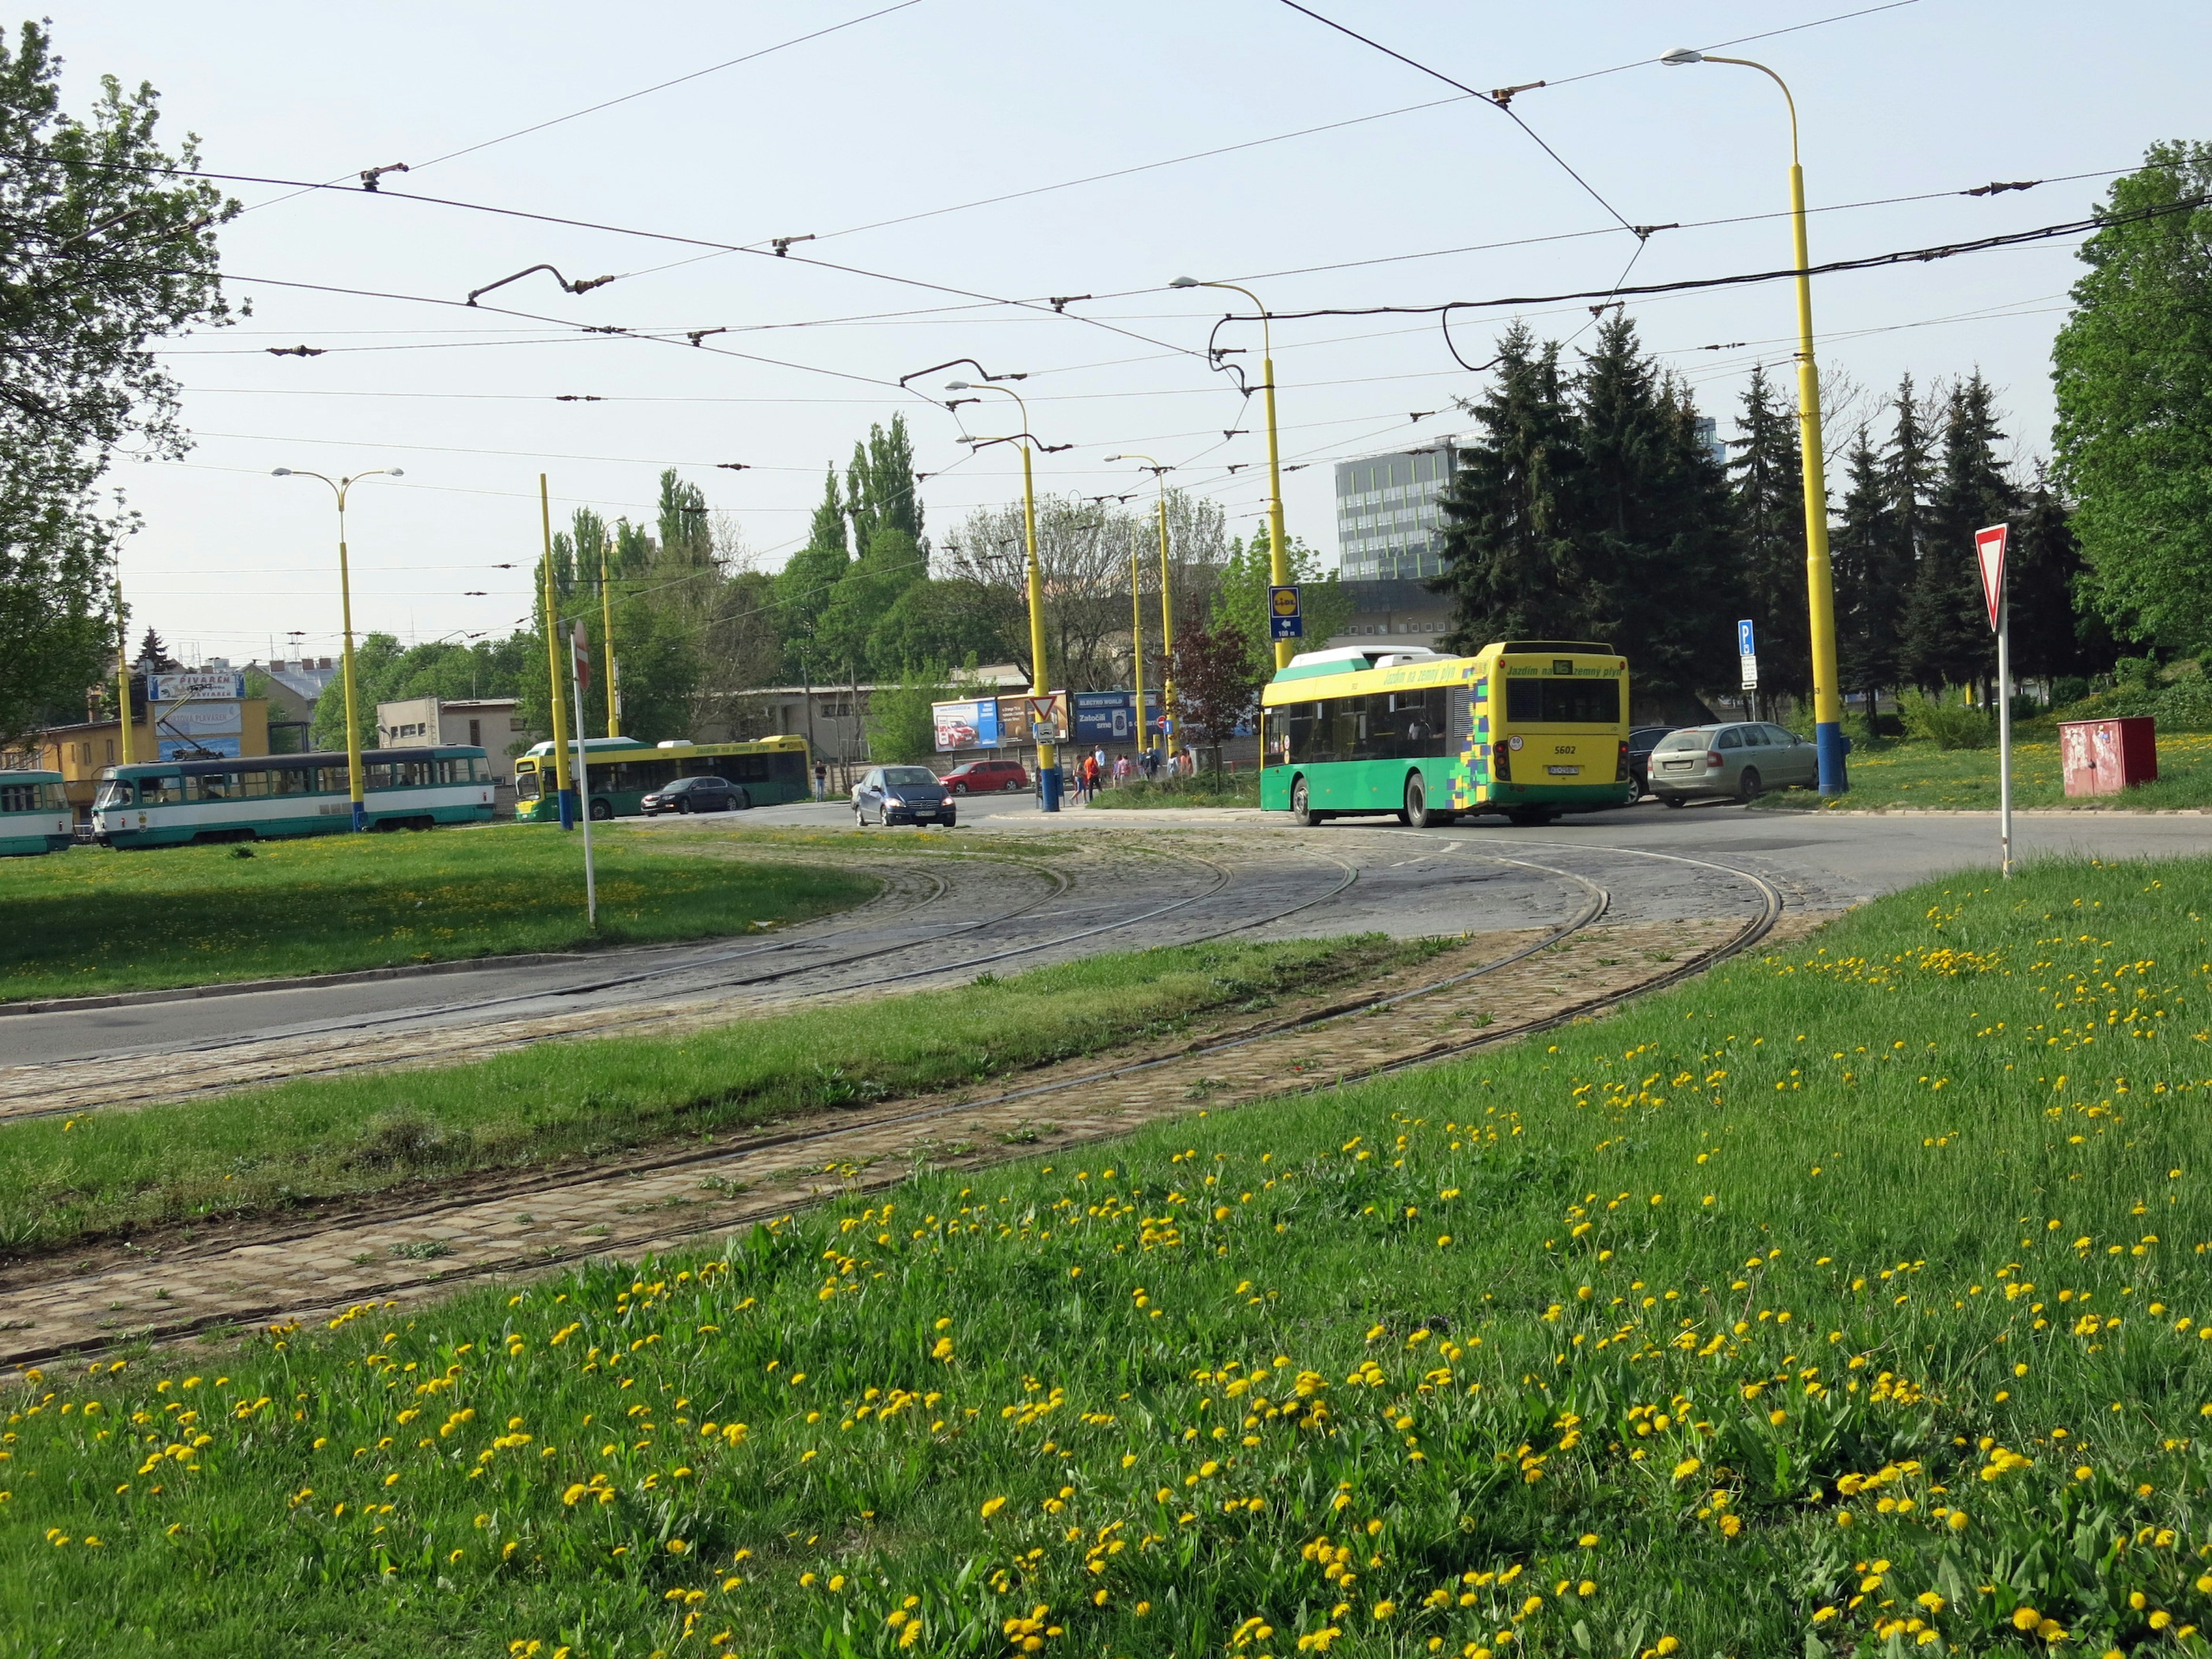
<point x="821" y="782"/>
<point x="1090" y="778"/>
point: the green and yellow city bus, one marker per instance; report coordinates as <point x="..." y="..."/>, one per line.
<point x="35" y="816"/>
<point x="1528" y="728"/>
<point x="770" y="772"/>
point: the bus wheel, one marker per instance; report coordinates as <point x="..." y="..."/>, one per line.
<point x="1418" y="815"/>
<point x="602" y="811"/>
<point x="1302" y="812"/>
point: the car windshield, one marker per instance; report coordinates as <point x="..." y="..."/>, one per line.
<point x="908" y="777"/>
<point x="1674" y="742"/>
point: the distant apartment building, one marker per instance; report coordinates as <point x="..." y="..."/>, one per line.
<point x="485" y="723"/>
<point x="1709" y="435"/>
<point x="1389" y="525"/>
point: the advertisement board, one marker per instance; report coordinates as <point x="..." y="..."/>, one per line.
<point x="217" y="683"/>
<point x="191" y="719"/>
<point x="970" y="724"/>
<point x="224" y="748"/>
<point x="1111" y="716"/>
<point x="1013" y="721"/>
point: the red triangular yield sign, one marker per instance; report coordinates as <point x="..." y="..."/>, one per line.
<point x="1990" y="549"/>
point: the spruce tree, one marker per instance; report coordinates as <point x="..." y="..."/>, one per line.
<point x="1870" y="578"/>
<point x="1948" y="637"/>
<point x="1769" y="518"/>
<point x="1509" y="557"/>
<point x="1652" y="516"/>
<point x="2054" y="632"/>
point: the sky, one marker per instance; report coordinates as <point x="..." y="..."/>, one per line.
<point x="960" y="164"/>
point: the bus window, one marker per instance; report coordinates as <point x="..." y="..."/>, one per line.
<point x="789" y="768"/>
<point x="1533" y="701"/>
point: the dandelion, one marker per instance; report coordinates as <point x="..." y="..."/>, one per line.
<point x="991" y="1506"/>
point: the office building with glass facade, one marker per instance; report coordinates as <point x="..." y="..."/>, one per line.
<point x="1389" y="526"/>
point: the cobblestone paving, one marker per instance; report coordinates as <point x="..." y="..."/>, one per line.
<point x="409" y="1254"/>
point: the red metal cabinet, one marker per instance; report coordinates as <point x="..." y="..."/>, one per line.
<point x="2103" y="757"/>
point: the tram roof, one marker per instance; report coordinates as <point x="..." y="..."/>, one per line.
<point x="319" y="757"/>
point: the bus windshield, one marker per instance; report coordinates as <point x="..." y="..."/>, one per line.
<point x="525" y="782"/>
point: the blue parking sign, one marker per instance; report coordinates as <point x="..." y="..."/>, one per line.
<point x="1745" y="645"/>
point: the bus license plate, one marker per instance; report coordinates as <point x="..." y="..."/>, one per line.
<point x="1565" y="771"/>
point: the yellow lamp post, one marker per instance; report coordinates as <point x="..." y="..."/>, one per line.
<point x="565" y="797"/>
<point x="1820" y="593"/>
<point x="607" y="632"/>
<point x="1040" y="680"/>
<point x="1167" y="617"/>
<point x="338" y="488"/>
<point x="1279" y="553"/>
<point x="123" y="671"/>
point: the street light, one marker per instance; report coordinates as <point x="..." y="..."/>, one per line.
<point x="338" y="488"/>
<point x="1278" y="555"/>
<point x="1819" y="584"/>
<point x="1040" y="685"/>
<point x="1167" y="618"/>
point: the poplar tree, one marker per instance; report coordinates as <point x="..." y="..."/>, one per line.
<point x="1509" y="561"/>
<point x="1769" y="521"/>
<point x="879" y="487"/>
<point x="803" y="586"/>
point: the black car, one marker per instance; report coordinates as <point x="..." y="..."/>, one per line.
<point x="902" y="795"/>
<point x="695" y="795"/>
<point x="1642" y="740"/>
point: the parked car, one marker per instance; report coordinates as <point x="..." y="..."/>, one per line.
<point x="984" y="777"/>
<point x="707" y="794"/>
<point x="902" y="795"/>
<point x="1744" y="759"/>
<point x="1642" y="740"/>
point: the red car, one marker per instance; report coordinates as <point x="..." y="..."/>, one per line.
<point x="985" y="777"/>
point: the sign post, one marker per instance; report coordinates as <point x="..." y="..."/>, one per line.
<point x="580" y="662"/>
<point x="1989" y="553"/>
<point x="1747" y="651"/>
<point x="1285" y="619"/>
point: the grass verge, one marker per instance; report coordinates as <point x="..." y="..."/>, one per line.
<point x="1848" y="1294"/>
<point x="1206" y="789"/>
<point x="267" y="1149"/>
<point x="1916" y="773"/>
<point x="90" y="922"/>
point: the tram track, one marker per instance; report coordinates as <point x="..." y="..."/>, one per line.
<point x="819" y="1135"/>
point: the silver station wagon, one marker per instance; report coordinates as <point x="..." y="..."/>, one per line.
<point x="1744" y="761"/>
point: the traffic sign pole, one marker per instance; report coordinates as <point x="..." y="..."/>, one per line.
<point x="580" y="673"/>
<point x="1989" y="553"/>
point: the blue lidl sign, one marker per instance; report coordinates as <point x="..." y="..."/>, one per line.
<point x="1284" y="619"/>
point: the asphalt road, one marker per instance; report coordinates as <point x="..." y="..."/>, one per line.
<point x="1036" y="890"/>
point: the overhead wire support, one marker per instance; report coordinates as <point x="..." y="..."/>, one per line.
<point x="583" y="286"/>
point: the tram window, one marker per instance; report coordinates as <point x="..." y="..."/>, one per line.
<point x="378" y="775"/>
<point x="1563" y="701"/>
<point x="210" y="786"/>
<point x="19" y="797"/>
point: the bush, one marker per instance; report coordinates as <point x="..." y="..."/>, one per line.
<point x="1947" y="725"/>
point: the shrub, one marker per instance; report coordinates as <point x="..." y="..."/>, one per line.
<point x="1947" y="725"/>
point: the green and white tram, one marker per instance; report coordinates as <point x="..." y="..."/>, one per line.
<point x="264" y="797"/>
<point x="35" y="816"/>
<point x="1529" y="729"/>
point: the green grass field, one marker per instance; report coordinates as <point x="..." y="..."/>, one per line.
<point x="1849" y="1300"/>
<point x="1915" y="773"/>
<point x="88" y="921"/>
<point x="267" y="1149"/>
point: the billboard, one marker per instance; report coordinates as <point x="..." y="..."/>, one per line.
<point x="191" y="719"/>
<point x="1111" y="716"/>
<point x="224" y="748"/>
<point x="971" y="725"/>
<point x="217" y="684"/>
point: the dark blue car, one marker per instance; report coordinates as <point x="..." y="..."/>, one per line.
<point x="902" y="795"/>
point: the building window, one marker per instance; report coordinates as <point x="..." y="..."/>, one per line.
<point x="476" y="734"/>
<point x="111" y="751"/>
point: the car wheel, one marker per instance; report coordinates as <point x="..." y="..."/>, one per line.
<point x="742" y="801"/>
<point x="682" y="807"/>
<point x="1302" y="812"/>
<point x="959" y="788"/>
<point x="860" y="817"/>
<point x="950" y="818"/>
<point x="1747" y="786"/>
<point x="1670" y="800"/>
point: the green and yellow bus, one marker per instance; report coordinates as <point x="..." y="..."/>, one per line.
<point x="770" y="771"/>
<point x="1530" y="729"/>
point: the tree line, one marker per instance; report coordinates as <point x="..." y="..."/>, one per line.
<point x="1588" y="507"/>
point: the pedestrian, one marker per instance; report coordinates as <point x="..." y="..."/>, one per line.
<point x="821" y="782"/>
<point x="1090" y="777"/>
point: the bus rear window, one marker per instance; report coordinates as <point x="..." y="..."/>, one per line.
<point x="1563" y="701"/>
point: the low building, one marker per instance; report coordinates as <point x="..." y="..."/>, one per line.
<point x="485" y="723"/>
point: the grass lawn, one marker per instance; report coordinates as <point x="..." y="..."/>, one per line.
<point x="265" y="1148"/>
<point x="1206" y="789"/>
<point x="1845" y="1295"/>
<point x="1915" y="773"/>
<point x="89" y="921"/>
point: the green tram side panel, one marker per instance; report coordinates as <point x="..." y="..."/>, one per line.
<point x="20" y="846"/>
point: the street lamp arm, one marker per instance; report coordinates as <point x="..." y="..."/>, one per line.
<point x="955" y="363"/>
<point x="1746" y="62"/>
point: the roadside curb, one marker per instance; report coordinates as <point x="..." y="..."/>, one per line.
<point x="304" y="981"/>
